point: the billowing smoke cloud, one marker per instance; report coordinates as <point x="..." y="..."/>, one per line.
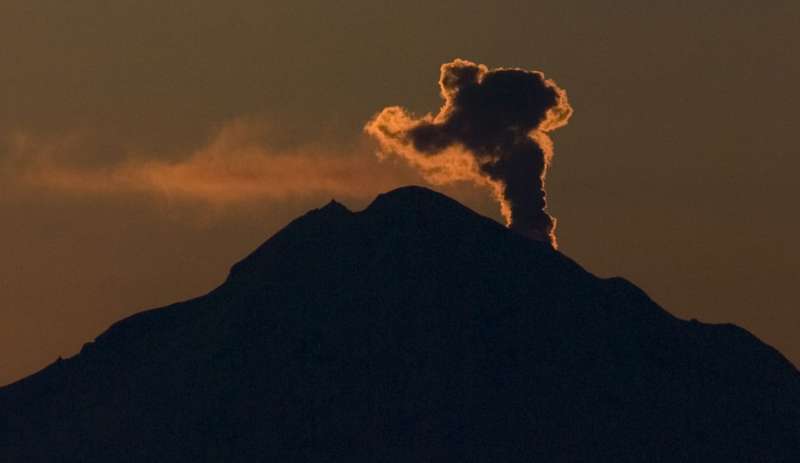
<point x="492" y="130"/>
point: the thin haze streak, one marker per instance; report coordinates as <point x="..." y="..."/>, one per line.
<point x="235" y="166"/>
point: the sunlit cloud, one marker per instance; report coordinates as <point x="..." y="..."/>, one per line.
<point x="492" y="129"/>
<point x="236" y="165"/>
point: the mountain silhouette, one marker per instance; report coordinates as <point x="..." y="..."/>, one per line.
<point x="414" y="330"/>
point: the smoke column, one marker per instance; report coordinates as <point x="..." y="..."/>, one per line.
<point x="492" y="130"/>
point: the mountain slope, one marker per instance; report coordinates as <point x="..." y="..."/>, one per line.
<point x="415" y="330"/>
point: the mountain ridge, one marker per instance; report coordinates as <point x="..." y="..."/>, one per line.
<point x="414" y="329"/>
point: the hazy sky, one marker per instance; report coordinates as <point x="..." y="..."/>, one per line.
<point x="146" y="146"/>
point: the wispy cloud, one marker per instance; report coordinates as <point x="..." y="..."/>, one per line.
<point x="236" y="165"/>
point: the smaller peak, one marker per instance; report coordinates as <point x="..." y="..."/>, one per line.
<point x="334" y="206"/>
<point x="333" y="209"/>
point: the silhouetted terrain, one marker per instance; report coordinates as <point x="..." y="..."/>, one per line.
<point x="415" y="330"/>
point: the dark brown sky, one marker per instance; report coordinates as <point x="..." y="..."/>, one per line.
<point x="145" y="146"/>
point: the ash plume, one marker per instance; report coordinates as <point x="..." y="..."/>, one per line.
<point x="492" y="129"/>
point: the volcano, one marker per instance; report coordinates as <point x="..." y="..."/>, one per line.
<point x="414" y="330"/>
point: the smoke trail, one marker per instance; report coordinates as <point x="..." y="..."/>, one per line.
<point x="237" y="165"/>
<point x="492" y="130"/>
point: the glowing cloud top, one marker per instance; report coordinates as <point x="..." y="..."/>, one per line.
<point x="492" y="130"/>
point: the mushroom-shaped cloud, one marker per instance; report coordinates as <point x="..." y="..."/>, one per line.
<point x="493" y="130"/>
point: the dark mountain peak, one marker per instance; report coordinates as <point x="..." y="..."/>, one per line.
<point x="419" y="205"/>
<point x="413" y="197"/>
<point x="414" y="330"/>
<point x="402" y="217"/>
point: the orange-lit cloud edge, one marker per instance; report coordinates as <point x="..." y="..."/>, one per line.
<point x="390" y="127"/>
